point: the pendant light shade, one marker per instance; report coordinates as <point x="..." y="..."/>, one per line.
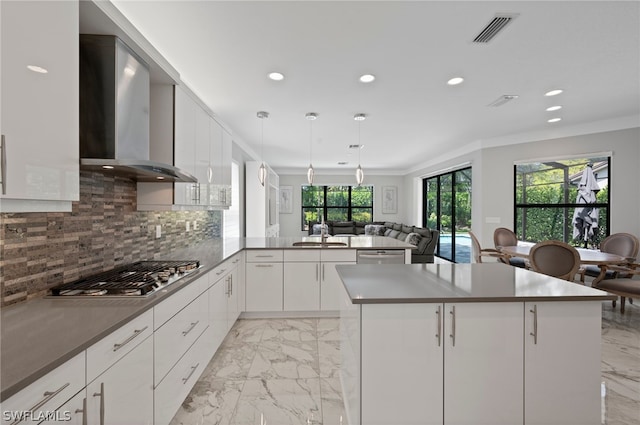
<point x="359" y="172"/>
<point x="262" y="171"/>
<point x="311" y="117"/>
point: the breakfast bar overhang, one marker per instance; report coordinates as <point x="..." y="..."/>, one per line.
<point x="468" y="344"/>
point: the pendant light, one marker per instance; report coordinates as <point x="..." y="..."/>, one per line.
<point x="311" y="117"/>
<point x="262" y="171"/>
<point x="359" y="173"/>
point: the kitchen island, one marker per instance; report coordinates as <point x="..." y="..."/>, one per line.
<point x="468" y="344"/>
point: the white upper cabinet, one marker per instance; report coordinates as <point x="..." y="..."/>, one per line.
<point x="201" y="147"/>
<point x="39" y="112"/>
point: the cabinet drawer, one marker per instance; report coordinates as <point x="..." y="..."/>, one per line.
<point x="176" y="302"/>
<point x="339" y="255"/>
<point x="175" y="337"/>
<point x="169" y="395"/>
<point x="48" y="392"/>
<point x="296" y="255"/>
<point x="263" y="255"/>
<point x="104" y="353"/>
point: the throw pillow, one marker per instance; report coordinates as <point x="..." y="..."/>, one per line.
<point x="413" y="239"/>
<point x="317" y="229"/>
<point x="387" y="232"/>
<point x="393" y="234"/>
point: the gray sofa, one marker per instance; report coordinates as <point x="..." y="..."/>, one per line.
<point x="424" y="239"/>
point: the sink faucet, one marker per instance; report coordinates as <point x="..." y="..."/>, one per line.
<point x="323" y="232"/>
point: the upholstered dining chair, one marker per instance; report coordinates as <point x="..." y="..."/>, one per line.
<point x="555" y="258"/>
<point x="479" y="252"/>
<point x="506" y="237"/>
<point x="624" y="287"/>
<point x="622" y="244"/>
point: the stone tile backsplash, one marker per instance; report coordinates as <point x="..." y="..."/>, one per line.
<point x="41" y="250"/>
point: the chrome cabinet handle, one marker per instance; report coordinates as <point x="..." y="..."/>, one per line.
<point x="220" y="272"/>
<point x="534" y="334"/>
<point x="453" y="326"/>
<point x="101" y="395"/>
<point x="3" y="165"/>
<point x="231" y="285"/>
<point x="136" y="332"/>
<point x="438" y="333"/>
<point x="264" y="265"/>
<point x="47" y="395"/>
<point x="193" y="369"/>
<point x="264" y="256"/>
<point x="323" y="272"/>
<point x="83" y="411"/>
<point x="191" y="327"/>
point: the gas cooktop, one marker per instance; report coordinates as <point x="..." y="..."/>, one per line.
<point x="136" y="279"/>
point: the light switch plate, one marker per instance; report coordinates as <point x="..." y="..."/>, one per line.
<point x="158" y="231"/>
<point x="188" y="225"/>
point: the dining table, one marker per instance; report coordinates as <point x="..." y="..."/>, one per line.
<point x="587" y="257"/>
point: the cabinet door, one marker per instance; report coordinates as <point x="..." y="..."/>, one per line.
<point x="302" y="286"/>
<point x="203" y="169"/>
<point x="218" y="312"/>
<point x="71" y="413"/>
<point x="483" y="368"/>
<point x="225" y="167"/>
<point x="123" y="394"/>
<point x="184" y="144"/>
<point x="330" y="286"/>
<point x="232" y="297"/>
<point x="562" y="352"/>
<point x="40" y="111"/>
<point x="408" y="391"/>
<point x="264" y="287"/>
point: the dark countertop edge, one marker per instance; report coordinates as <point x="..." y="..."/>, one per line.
<point x="6" y="393"/>
<point x="451" y="300"/>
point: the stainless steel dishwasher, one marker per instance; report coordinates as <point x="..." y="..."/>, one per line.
<point x="380" y="256"/>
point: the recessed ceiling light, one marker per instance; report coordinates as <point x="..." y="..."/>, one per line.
<point x="367" y="78"/>
<point x="554" y="120"/>
<point x="553" y="92"/>
<point x="276" y="76"/>
<point x="554" y="108"/>
<point x="160" y="178"/>
<point x="108" y="167"/>
<point x="455" y="81"/>
<point x="38" y="69"/>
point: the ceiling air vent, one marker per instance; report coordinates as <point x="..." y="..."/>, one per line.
<point x="503" y="99"/>
<point x="500" y="21"/>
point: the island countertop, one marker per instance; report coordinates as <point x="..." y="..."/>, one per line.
<point x="350" y="242"/>
<point x="439" y="283"/>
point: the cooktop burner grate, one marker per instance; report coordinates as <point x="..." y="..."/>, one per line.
<point x="138" y="278"/>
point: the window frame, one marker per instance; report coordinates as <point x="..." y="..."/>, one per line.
<point x="325" y="208"/>
<point x="520" y="229"/>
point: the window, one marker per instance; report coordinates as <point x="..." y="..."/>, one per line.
<point x="447" y="207"/>
<point x="336" y="203"/>
<point x="548" y="205"/>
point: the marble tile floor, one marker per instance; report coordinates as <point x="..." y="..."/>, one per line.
<point x="285" y="371"/>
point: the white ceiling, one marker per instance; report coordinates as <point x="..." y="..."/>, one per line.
<point x="224" y="51"/>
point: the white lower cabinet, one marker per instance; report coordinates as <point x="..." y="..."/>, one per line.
<point x="47" y="393"/>
<point x="407" y="331"/>
<point x="474" y="363"/>
<point x="217" y="313"/>
<point x="331" y="288"/>
<point x="483" y="366"/>
<point x="175" y="387"/>
<point x="71" y="413"/>
<point x="562" y="341"/>
<point x="123" y="394"/>
<point x="264" y="280"/>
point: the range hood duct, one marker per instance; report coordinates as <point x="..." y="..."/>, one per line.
<point x="114" y="113"/>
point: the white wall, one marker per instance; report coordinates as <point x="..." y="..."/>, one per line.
<point x="492" y="195"/>
<point x="290" y="224"/>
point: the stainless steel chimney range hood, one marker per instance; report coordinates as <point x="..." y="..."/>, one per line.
<point x="114" y="113"/>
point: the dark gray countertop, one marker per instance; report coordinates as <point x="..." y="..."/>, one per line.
<point x="39" y="335"/>
<point x="439" y="283"/>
